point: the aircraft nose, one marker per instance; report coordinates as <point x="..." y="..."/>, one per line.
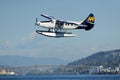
<point x="37" y="23"/>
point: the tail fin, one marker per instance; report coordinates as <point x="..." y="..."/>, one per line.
<point x="89" y="22"/>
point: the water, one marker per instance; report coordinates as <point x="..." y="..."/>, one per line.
<point x="62" y="77"/>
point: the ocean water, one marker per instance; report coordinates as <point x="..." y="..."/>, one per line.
<point x="62" y="77"/>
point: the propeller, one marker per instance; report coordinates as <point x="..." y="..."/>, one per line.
<point x="36" y="21"/>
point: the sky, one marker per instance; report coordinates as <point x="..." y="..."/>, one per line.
<point x="18" y="36"/>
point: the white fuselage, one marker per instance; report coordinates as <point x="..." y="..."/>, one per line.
<point x="54" y="25"/>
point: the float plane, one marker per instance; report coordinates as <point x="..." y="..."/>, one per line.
<point x="58" y="28"/>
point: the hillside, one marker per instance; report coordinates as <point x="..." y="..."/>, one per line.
<point x="105" y="58"/>
<point x="28" y="61"/>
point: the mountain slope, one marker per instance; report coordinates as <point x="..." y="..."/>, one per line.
<point x="106" y="58"/>
<point x="28" y="61"/>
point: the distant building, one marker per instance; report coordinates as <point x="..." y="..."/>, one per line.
<point x="92" y="70"/>
<point x="117" y="68"/>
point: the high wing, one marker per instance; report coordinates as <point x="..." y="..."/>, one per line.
<point x="51" y="18"/>
<point x="46" y="16"/>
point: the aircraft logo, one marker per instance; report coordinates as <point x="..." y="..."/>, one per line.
<point x="91" y="19"/>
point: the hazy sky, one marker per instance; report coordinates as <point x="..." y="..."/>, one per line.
<point x="18" y="36"/>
